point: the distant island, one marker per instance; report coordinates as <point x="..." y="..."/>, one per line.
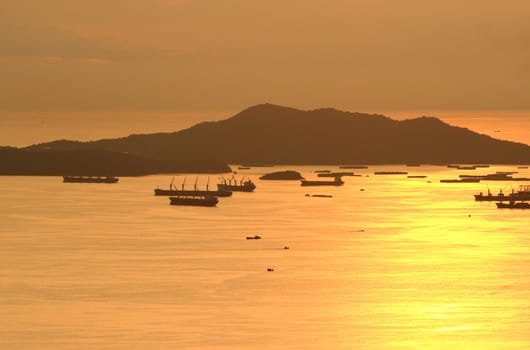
<point x="283" y="175"/>
<point x="268" y="134"/>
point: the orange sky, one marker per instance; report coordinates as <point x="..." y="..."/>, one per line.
<point x="146" y="65"/>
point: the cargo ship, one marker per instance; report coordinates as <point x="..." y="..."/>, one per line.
<point x="91" y="179"/>
<point x="198" y="201"/>
<point x="336" y="182"/>
<point x="174" y="191"/>
<point x="233" y="185"/>
<point x="513" y="205"/>
<point x="522" y="194"/>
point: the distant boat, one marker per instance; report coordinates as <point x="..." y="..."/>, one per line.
<point x="174" y="191"/>
<point x="335" y="174"/>
<point x="513" y="205"/>
<point x="200" y="201"/>
<point x="390" y="173"/>
<point x="353" y="167"/>
<point x="490" y="197"/>
<point x="466" y="167"/>
<point x="233" y="185"/>
<point x="322" y="171"/>
<point x="336" y="182"/>
<point x="498" y="176"/>
<point x="522" y="167"/>
<point x="463" y="180"/>
<point x="257" y="165"/>
<point x="253" y="237"/>
<point x="91" y="179"/>
<point x="417" y="176"/>
<point x="244" y="167"/>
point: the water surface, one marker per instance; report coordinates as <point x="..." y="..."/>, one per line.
<point x="404" y="264"/>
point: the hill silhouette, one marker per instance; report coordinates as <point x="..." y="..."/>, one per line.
<point x="274" y="134"/>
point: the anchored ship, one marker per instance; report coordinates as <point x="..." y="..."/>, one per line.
<point x="522" y="194"/>
<point x="233" y="185"/>
<point x="513" y="205"/>
<point x="174" y="191"/>
<point x="462" y="180"/>
<point x="199" y="200"/>
<point x="91" y="179"/>
<point x="336" y="182"/>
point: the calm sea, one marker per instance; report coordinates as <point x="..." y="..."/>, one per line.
<point x="403" y="264"/>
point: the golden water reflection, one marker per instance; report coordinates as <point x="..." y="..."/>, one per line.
<point x="405" y="264"/>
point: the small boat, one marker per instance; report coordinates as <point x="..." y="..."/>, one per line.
<point x="91" y="179"/>
<point x="513" y="205"/>
<point x="320" y="195"/>
<point x="336" y="182"/>
<point x="322" y="171"/>
<point x="417" y="176"/>
<point x="466" y="167"/>
<point x="253" y="237"/>
<point x="199" y="201"/>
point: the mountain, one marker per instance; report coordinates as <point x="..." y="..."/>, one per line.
<point x="279" y="135"/>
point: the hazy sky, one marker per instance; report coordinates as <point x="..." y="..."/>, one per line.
<point x="68" y="61"/>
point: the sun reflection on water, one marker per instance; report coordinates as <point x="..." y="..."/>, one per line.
<point x="404" y="264"/>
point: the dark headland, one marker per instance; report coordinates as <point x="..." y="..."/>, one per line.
<point x="268" y="134"/>
<point x="283" y="175"/>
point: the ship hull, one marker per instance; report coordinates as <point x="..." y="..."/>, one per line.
<point x="194" y="201"/>
<point x="83" y="179"/>
<point x="161" y="192"/>
<point x="520" y="205"/>
<point x="465" y="180"/>
<point x="235" y="188"/>
<point x="521" y="197"/>
<point x="321" y="183"/>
